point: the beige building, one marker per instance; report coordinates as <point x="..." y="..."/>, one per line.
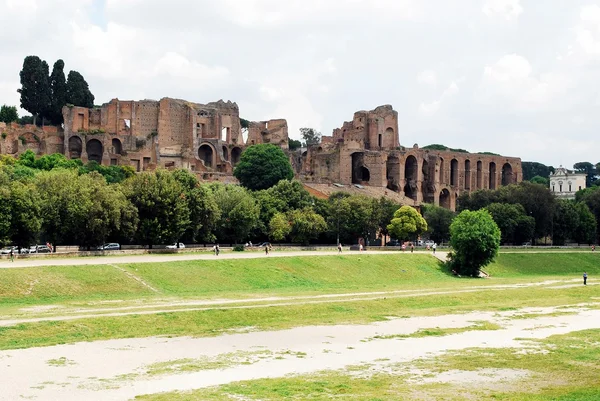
<point x="564" y="184"/>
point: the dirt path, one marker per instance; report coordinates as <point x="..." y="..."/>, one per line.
<point x="122" y="369"/>
<point x="48" y="313"/>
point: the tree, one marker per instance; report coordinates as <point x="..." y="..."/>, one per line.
<point x="25" y="120"/>
<point x="5" y="206"/>
<point x="586" y="230"/>
<point x="162" y="207"/>
<point x="589" y="169"/>
<point x="438" y="222"/>
<point x="78" y="91"/>
<point x="565" y="223"/>
<point x="25" y="214"/>
<point x="239" y="212"/>
<point x="279" y="227"/>
<point x="385" y="214"/>
<point x="58" y="88"/>
<point x="407" y="223"/>
<point x="591" y="197"/>
<point x="306" y="225"/>
<point x="475" y="239"/>
<point x="515" y="226"/>
<point x="262" y="166"/>
<point x="478" y="199"/>
<point x="8" y="114"/>
<point x="541" y="180"/>
<point x="311" y="136"/>
<point x="532" y="169"/>
<point x="35" y="88"/>
<point x="537" y="201"/>
<point x="294" y="144"/>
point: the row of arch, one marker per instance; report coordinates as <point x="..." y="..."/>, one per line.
<point x="207" y="153"/>
<point x="94" y="148"/>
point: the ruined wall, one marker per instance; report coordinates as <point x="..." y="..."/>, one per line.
<point x="16" y="139"/>
<point x="272" y="131"/>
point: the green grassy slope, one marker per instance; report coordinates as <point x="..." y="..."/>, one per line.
<point x="545" y="264"/>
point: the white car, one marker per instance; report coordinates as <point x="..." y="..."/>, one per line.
<point x="429" y="243"/>
<point x="174" y="246"/>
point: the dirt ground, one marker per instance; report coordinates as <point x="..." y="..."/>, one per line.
<point x="122" y="369"/>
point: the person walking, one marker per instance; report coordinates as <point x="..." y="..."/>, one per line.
<point x="412" y="248"/>
<point x="12" y="255"/>
<point x="584" y="278"/>
<point x="267" y="249"/>
<point x="217" y="250"/>
<point x="339" y="248"/>
<point x="434" y="247"/>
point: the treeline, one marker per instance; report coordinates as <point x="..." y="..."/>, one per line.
<point x="52" y="199"/>
<point x="44" y="94"/>
<point x="539" y="173"/>
<point x="529" y="212"/>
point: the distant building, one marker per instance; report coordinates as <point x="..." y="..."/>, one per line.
<point x="564" y="184"/>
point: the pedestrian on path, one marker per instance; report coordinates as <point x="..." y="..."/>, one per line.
<point x="12" y="255"/>
<point x="339" y="248"/>
<point x="584" y="278"/>
<point x="434" y="247"/>
<point x="412" y="248"/>
<point x="267" y="249"/>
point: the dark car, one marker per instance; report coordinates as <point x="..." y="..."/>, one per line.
<point x="393" y="242"/>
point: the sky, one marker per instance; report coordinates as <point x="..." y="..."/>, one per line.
<point x="515" y="77"/>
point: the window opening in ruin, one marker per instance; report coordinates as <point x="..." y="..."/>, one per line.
<point x="113" y="162"/>
<point x="411" y="167"/>
<point x="225" y="153"/>
<point x="442" y="172"/>
<point x="507" y="174"/>
<point x="205" y="153"/>
<point x="454" y="172"/>
<point x="479" y="175"/>
<point x="380" y="139"/>
<point x="236" y="154"/>
<point x="146" y="162"/>
<point x="127" y="123"/>
<point x="75" y="147"/>
<point x="267" y="125"/>
<point x="492" y="176"/>
<point x="94" y="150"/>
<point x="117" y="148"/>
<point x="224" y="134"/>
<point x="467" y="174"/>
<point x="445" y="199"/>
<point x="81" y="121"/>
<point x="393" y="173"/>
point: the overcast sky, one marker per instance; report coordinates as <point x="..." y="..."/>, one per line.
<point x="516" y="77"/>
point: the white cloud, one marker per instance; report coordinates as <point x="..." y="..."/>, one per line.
<point x="508" y="9"/>
<point x="427" y="77"/>
<point x="429" y="109"/>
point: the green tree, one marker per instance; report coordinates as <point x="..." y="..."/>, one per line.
<point x="294" y="144"/>
<point x="311" y="136"/>
<point x="25" y="214"/>
<point x="541" y="180"/>
<point x="438" y="222"/>
<point x="407" y="223"/>
<point x="589" y="169"/>
<point x="78" y="91"/>
<point x="239" y="213"/>
<point x="591" y="197"/>
<point x="279" y="227"/>
<point x="507" y="217"/>
<point x="5" y="208"/>
<point x="475" y="240"/>
<point x="532" y="169"/>
<point x="306" y="225"/>
<point x="537" y="201"/>
<point x="352" y="217"/>
<point x="162" y="207"/>
<point x="565" y="223"/>
<point x="262" y="166"/>
<point x="8" y="114"/>
<point x="586" y="230"/>
<point x="385" y="213"/>
<point x="478" y="199"/>
<point x="35" y="88"/>
<point x="58" y="88"/>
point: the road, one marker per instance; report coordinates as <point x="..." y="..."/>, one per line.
<point x="108" y="260"/>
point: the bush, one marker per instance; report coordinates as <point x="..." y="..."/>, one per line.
<point x="239" y="248"/>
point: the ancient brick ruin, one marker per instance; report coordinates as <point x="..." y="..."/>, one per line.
<point x="363" y="154"/>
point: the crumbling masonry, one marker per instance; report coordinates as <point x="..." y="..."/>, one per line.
<point x="209" y="139"/>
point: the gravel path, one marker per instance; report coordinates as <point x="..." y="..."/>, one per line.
<point x="118" y="369"/>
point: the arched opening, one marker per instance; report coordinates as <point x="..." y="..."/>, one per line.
<point x="479" y="175"/>
<point x="94" y="150"/>
<point x="236" y="154"/>
<point x="206" y="154"/>
<point x="75" y="147"/>
<point x="507" y="174"/>
<point x="388" y="141"/>
<point x="492" y="175"/>
<point x="117" y="148"/>
<point x="225" y="153"/>
<point x="442" y="171"/>
<point x="467" y="174"/>
<point x="393" y="173"/>
<point x="454" y="173"/>
<point x="445" y="199"/>
<point x="427" y="186"/>
<point x="360" y="173"/>
<point x="380" y="140"/>
<point x="411" y="170"/>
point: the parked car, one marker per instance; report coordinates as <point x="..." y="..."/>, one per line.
<point x="264" y="244"/>
<point x="393" y="242"/>
<point x="6" y="250"/>
<point x="174" y="246"/>
<point x="112" y="246"/>
<point x="43" y="249"/>
<point x="429" y="243"/>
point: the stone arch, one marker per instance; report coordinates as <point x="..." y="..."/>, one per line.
<point x="467" y="174"/>
<point x="427" y="185"/>
<point x="411" y="174"/>
<point x="479" y="175"/>
<point x="225" y="153"/>
<point x="445" y="199"/>
<point x="117" y="147"/>
<point x="236" y="154"/>
<point x="442" y="170"/>
<point x="94" y="150"/>
<point x="454" y="173"/>
<point x="507" y="174"/>
<point x="492" y="175"/>
<point x="206" y="153"/>
<point x="393" y="172"/>
<point x="75" y="147"/>
<point x="360" y="173"/>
